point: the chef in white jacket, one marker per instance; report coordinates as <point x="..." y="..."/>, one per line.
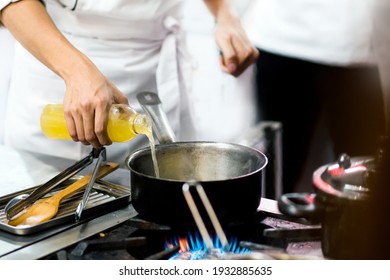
<point x="89" y="54"/>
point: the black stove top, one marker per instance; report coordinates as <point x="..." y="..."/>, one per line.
<point x="139" y="239"/>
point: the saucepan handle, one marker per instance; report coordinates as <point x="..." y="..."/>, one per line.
<point x="299" y="205"/>
<point x="152" y="105"/>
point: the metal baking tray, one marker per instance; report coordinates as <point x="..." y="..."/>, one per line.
<point x="104" y="197"/>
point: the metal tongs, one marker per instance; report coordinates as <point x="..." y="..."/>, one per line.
<point x="101" y="158"/>
<point x="21" y="202"/>
<point x="198" y="219"/>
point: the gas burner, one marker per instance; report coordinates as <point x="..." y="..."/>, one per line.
<point x="137" y="239"/>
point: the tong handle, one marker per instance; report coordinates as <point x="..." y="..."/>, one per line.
<point x="210" y="211"/>
<point x="101" y="157"/>
<point x="50" y="185"/>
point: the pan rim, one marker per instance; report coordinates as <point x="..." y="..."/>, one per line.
<point x="130" y="158"/>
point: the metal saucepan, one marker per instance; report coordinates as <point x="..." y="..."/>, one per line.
<point x="339" y="204"/>
<point x="231" y="175"/>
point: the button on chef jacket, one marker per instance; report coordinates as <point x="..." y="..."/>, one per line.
<point x="137" y="44"/>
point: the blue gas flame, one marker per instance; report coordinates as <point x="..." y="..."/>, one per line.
<point x="195" y="248"/>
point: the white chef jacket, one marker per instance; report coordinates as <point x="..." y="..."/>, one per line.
<point x="335" y="32"/>
<point x="137" y="44"/>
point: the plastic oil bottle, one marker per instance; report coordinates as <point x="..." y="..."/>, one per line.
<point x="124" y="123"/>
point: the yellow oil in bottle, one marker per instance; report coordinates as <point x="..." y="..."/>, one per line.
<point x="53" y="123"/>
<point x="124" y="123"/>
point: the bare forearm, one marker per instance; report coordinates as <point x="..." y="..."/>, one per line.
<point x="31" y="25"/>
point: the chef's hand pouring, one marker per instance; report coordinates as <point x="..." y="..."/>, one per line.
<point x="237" y="52"/>
<point x="87" y="102"/>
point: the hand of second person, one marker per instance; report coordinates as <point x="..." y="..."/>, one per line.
<point x="237" y="52"/>
<point x="89" y="96"/>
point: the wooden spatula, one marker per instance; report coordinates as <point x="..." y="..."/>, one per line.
<point x="44" y="209"/>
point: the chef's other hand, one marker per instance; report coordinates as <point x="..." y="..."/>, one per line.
<point x="89" y="96"/>
<point x="237" y="52"/>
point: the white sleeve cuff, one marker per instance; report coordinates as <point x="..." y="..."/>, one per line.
<point x="5" y="3"/>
